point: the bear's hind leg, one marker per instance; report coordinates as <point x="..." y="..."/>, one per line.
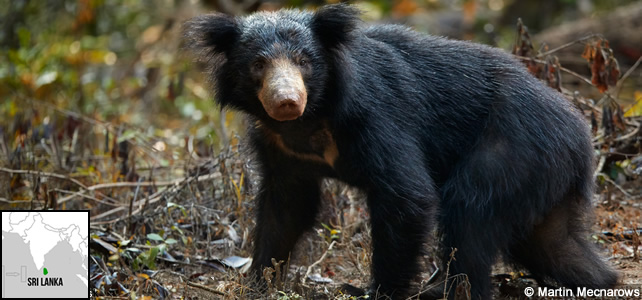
<point x="558" y="249"/>
<point x="477" y="242"/>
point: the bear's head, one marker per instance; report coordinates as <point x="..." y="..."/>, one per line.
<point x="273" y="65"/>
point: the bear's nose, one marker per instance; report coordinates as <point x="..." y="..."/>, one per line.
<point x="287" y="97"/>
<point x="288" y="108"/>
<point x="287" y="103"/>
<point x="283" y="93"/>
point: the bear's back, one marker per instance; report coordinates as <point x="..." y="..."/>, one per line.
<point x="419" y="45"/>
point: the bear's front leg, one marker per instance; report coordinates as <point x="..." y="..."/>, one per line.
<point x="400" y="224"/>
<point x="287" y="205"/>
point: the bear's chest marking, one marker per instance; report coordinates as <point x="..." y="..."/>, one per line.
<point x="319" y="146"/>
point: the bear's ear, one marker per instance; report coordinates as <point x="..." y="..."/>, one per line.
<point x="211" y="34"/>
<point x="332" y="24"/>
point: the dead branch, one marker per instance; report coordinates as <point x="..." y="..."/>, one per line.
<point x="307" y="273"/>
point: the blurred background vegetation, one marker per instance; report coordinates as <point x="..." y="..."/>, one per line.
<point x="119" y="63"/>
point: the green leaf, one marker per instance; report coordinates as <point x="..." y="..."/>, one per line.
<point x="175" y="228"/>
<point x="171" y="205"/>
<point x="24" y="36"/>
<point x="155" y="237"/>
<point x="150" y="257"/>
<point x="128" y="134"/>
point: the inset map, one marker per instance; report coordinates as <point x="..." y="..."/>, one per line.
<point x="45" y="254"/>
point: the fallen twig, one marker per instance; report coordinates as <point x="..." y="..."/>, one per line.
<point x="154" y="197"/>
<point x="47" y="174"/>
<point x="211" y="290"/>
<point x="307" y="272"/>
<point x="609" y="180"/>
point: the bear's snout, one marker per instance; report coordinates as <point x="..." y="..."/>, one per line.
<point x="283" y="94"/>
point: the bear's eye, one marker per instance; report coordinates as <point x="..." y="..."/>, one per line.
<point x="303" y="62"/>
<point x="258" y="66"/>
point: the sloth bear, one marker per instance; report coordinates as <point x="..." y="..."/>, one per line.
<point x="438" y="133"/>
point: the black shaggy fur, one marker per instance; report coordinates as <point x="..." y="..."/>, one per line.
<point x="437" y="132"/>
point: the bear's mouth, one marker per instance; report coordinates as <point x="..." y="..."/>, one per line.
<point x="288" y="110"/>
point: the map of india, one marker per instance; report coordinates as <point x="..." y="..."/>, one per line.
<point x="45" y="254"/>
